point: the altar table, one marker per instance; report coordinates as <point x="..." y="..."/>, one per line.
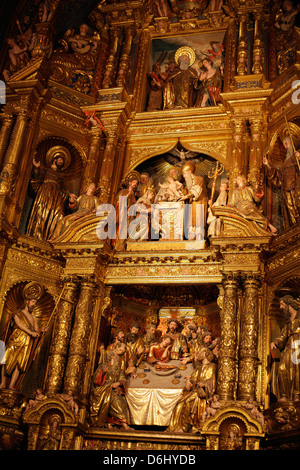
<point x="151" y="397"/>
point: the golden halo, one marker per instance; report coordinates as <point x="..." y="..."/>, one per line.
<point x="185" y="50"/>
<point x="58" y="150"/>
<point x="133" y="174"/>
<point x="33" y="290"/>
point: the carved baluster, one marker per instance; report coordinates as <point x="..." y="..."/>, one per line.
<point x="248" y="355"/>
<point x="112" y="58"/>
<point x="91" y="169"/>
<point x="78" y="353"/>
<point x="239" y="132"/>
<point x="61" y="338"/>
<point x="258" y="46"/>
<point x="125" y="57"/>
<point x="257" y="127"/>
<point x="228" y="346"/>
<point x="242" y="67"/>
<point x="107" y="167"/>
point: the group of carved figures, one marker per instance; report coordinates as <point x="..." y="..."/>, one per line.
<point x="118" y="363"/>
<point x="55" y="208"/>
<point x="181" y="85"/>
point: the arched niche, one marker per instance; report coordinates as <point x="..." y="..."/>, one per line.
<point x="72" y="174"/>
<point x="158" y="163"/>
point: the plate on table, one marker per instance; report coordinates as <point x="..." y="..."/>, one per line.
<point x="164" y="369"/>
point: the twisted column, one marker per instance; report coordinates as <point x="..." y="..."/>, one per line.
<point x="227" y="355"/>
<point x="248" y="354"/>
<point x="79" y="345"/>
<point x="61" y="337"/>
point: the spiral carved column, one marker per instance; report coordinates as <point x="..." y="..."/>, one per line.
<point x="248" y="356"/>
<point x="61" y="338"/>
<point x="227" y="355"/>
<point x="79" y="344"/>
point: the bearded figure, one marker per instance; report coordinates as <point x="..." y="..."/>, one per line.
<point x="286" y="385"/>
<point x="135" y="344"/>
<point x="52" y="195"/>
<point x="287" y="178"/>
<point x="179" y="344"/>
<point x="197" y="193"/>
<point x="178" y="91"/>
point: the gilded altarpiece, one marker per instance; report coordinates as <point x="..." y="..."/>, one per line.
<point x="162" y="103"/>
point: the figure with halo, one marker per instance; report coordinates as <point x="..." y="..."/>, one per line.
<point x="51" y="193"/>
<point x="22" y="331"/>
<point x="179" y="86"/>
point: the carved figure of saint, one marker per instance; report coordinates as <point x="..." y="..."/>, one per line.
<point x="108" y="403"/>
<point x="160" y="352"/>
<point x="196" y="192"/>
<point x="135" y="343"/>
<point x="85" y="204"/>
<point x="188" y="412"/>
<point x="130" y="193"/>
<point x="287" y="178"/>
<point x="214" y="223"/>
<point x="287" y="382"/>
<point x="48" y="207"/>
<point x="19" y="344"/>
<point x="179" y="345"/>
<point x="179" y="86"/>
<point x="244" y="200"/>
<point x="210" y="86"/>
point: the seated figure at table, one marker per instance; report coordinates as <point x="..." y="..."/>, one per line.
<point x="204" y="340"/>
<point x="179" y="346"/>
<point x="160" y="352"/>
<point x="200" y="386"/>
<point x="127" y="364"/>
<point x="135" y="343"/>
<point x="151" y="337"/>
<point x="107" y="403"/>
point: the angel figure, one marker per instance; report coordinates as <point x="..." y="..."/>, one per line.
<point x="71" y="403"/>
<point x="39" y="396"/>
<point x="18" y="58"/>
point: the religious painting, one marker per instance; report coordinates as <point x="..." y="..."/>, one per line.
<point x="186" y="71"/>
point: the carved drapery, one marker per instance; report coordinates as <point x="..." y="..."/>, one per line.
<point x="79" y="343"/>
<point x="248" y="352"/>
<point x="61" y="337"/>
<point x="228" y="347"/>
